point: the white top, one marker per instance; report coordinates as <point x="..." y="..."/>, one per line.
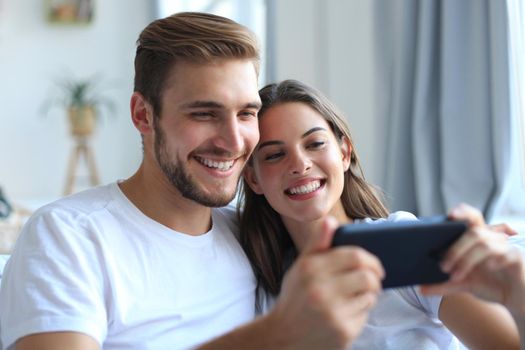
<point x="93" y="263"/>
<point x="402" y="319"/>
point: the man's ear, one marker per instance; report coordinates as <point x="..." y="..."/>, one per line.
<point x="346" y="151"/>
<point x="141" y="113"/>
<point x="251" y="179"/>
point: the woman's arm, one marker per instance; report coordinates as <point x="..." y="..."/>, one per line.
<point x="485" y="271"/>
<point x="479" y="324"/>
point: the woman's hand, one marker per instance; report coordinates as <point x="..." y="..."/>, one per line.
<point x="483" y="263"/>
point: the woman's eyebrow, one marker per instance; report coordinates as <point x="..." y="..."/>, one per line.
<point x="269" y="143"/>
<point x="312" y="130"/>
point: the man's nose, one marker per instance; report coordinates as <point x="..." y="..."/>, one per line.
<point x="231" y="137"/>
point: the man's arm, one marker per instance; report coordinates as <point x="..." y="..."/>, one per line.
<point x="323" y="304"/>
<point x="57" y="341"/>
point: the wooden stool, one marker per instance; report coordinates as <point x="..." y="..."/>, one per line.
<point x="81" y="149"/>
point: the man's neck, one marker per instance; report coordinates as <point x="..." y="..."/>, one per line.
<point x="156" y="198"/>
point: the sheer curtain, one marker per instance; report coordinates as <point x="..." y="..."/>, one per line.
<point x="445" y="92"/>
<point x="515" y="206"/>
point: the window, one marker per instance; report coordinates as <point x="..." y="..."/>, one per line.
<point x="251" y="13"/>
<point x="515" y="210"/>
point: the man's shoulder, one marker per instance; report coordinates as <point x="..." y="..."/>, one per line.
<point x="73" y="211"/>
<point x="83" y="202"/>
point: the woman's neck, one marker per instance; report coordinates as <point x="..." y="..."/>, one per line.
<point x="300" y="231"/>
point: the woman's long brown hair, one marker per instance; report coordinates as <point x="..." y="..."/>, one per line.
<point x="263" y="235"/>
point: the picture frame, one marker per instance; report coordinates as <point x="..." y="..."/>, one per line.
<point x="69" y="11"/>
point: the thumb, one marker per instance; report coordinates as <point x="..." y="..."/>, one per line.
<point x="467" y="213"/>
<point x="322" y="239"/>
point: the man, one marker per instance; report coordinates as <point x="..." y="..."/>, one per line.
<point x="146" y="263"/>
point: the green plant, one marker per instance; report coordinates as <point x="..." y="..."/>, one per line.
<point x="79" y="93"/>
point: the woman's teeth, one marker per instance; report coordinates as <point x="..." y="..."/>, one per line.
<point x="304" y="189"/>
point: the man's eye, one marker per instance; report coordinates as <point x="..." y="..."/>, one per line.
<point x="201" y="115"/>
<point x="248" y="114"/>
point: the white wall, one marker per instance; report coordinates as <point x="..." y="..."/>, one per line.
<point x="34" y="54"/>
<point x="324" y="43"/>
<point x="329" y="44"/>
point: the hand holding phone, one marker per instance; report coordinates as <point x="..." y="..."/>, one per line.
<point x="410" y="251"/>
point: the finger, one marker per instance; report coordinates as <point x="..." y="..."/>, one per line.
<point x="322" y="239"/>
<point x="445" y="288"/>
<point x="360" y="303"/>
<point x="460" y="248"/>
<point x="356" y="282"/>
<point x="353" y="321"/>
<point x="475" y="236"/>
<point x="465" y="212"/>
<point x="340" y="260"/>
<point x="504" y="228"/>
<point x="478" y="255"/>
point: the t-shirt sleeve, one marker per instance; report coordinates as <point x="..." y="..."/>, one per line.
<point x="54" y="280"/>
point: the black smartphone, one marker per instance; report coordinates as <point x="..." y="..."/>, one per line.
<point x="410" y="251"/>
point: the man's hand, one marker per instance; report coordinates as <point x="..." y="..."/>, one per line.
<point x="327" y="294"/>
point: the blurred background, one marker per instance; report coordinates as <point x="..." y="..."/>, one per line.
<point x="433" y="91"/>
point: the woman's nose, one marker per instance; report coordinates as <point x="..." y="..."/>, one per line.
<point x="299" y="163"/>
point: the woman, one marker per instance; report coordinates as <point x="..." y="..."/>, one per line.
<point x="306" y="168"/>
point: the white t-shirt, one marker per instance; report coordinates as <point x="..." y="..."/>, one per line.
<point x="403" y="318"/>
<point x="93" y="263"/>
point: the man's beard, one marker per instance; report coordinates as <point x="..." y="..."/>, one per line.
<point x="179" y="177"/>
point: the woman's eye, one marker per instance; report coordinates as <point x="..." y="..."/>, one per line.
<point x="273" y="156"/>
<point x="316" y="144"/>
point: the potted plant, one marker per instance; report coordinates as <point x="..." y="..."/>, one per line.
<point x="83" y="104"/>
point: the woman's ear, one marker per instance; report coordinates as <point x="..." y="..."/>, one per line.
<point x="251" y="179"/>
<point x="141" y="113"/>
<point x="346" y="152"/>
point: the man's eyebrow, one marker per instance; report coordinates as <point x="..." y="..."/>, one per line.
<point x="275" y="142"/>
<point x="214" y="104"/>
<point x="255" y="105"/>
<point x="202" y="104"/>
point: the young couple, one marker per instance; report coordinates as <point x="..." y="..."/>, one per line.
<point x="152" y="262"/>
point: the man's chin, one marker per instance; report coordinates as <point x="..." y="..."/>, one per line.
<point x="213" y="199"/>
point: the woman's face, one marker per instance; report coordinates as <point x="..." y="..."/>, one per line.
<point x="299" y="164"/>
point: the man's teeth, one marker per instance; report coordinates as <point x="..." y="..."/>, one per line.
<point x="304" y="189"/>
<point x="217" y="165"/>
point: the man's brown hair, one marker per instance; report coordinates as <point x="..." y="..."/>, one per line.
<point x="191" y="37"/>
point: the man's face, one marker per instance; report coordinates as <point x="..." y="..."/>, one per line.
<point x="207" y="128"/>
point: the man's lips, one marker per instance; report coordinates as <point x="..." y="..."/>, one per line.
<point x="222" y="165"/>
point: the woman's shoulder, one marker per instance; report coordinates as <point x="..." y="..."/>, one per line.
<point x="401" y="216"/>
<point x="397" y="216"/>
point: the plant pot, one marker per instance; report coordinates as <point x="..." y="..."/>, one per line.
<point x="82" y="120"/>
